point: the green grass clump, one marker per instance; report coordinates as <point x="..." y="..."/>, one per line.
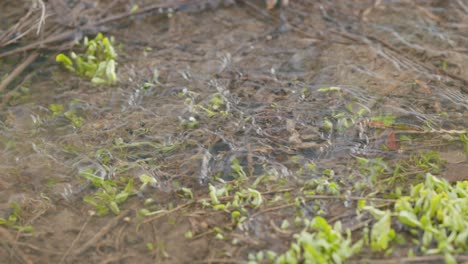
<point x="96" y="63"/>
<point x="13" y="220"/>
<point x="320" y="243"/>
<point x="74" y="118"/>
<point x="437" y="213"/>
<point x="109" y="195"/>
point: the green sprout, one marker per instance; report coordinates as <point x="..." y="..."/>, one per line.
<point x="464" y="140"/>
<point x="438" y="213"/>
<point x="329" y="89"/>
<point x="382" y="233"/>
<point x="146" y="179"/>
<point x="386" y="120"/>
<point x="320" y="243"/>
<point x="110" y="194"/>
<point x="96" y="63"/>
<point x="77" y="121"/>
<point x="14" y="218"/>
<point x="58" y="110"/>
<point x="239" y="172"/>
<point x="185" y="193"/>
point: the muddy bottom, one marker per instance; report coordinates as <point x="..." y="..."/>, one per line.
<point x="310" y="106"/>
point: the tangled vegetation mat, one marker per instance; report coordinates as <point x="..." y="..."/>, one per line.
<point x="301" y="131"/>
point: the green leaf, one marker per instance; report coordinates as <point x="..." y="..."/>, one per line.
<point x="187" y="192"/>
<point x="114" y="207"/>
<point x="101" y="70"/>
<point x="121" y="197"/>
<point x="213" y="196"/>
<point x="376" y="213"/>
<point x="99" y="36"/>
<point x="188" y="234"/>
<point x="255" y="197"/>
<point x="327" y="125"/>
<point x="110" y="71"/>
<point x="97" y="80"/>
<point x="329" y="89"/>
<point x="101" y="209"/>
<point x="449" y="259"/>
<point x="65" y="61"/>
<point x="109" y="49"/>
<point x="56" y="109"/>
<point x="89" y="174"/>
<point x="134" y="8"/>
<point x="150" y="246"/>
<point x="90" y="200"/>
<point x="409" y="218"/>
<point x="156" y="76"/>
<point x="320" y="224"/>
<point x="129" y="187"/>
<point x="386" y="120"/>
<point x="28" y="228"/>
<point x="146" y="179"/>
<point x="220" y="207"/>
<point x="382" y="233"/>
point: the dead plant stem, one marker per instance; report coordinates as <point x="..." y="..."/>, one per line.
<point x="101" y="233"/>
<point x="18" y="70"/>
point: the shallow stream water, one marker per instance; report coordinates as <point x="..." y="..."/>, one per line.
<point x="322" y="82"/>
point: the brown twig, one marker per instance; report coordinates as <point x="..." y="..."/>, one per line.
<point x="166" y="213"/>
<point x="323" y="197"/>
<point x="202" y="234"/>
<point x="75" y="240"/>
<point x="119" y="239"/>
<point x="280" y="231"/>
<point x="101" y="233"/>
<point x="141" y="11"/>
<point x="360" y="225"/>
<point x="117" y="259"/>
<point x="18" y="70"/>
<point x="66" y="35"/>
<point x="38" y="249"/>
<point x="11" y="240"/>
<point x="93" y="27"/>
<point x="8" y="95"/>
<point x="272" y="209"/>
<point x="9" y="37"/>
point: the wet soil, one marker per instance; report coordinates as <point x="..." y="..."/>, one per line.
<point x="405" y="59"/>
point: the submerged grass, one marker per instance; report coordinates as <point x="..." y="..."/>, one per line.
<point x="14" y="220"/>
<point x="431" y="216"/>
